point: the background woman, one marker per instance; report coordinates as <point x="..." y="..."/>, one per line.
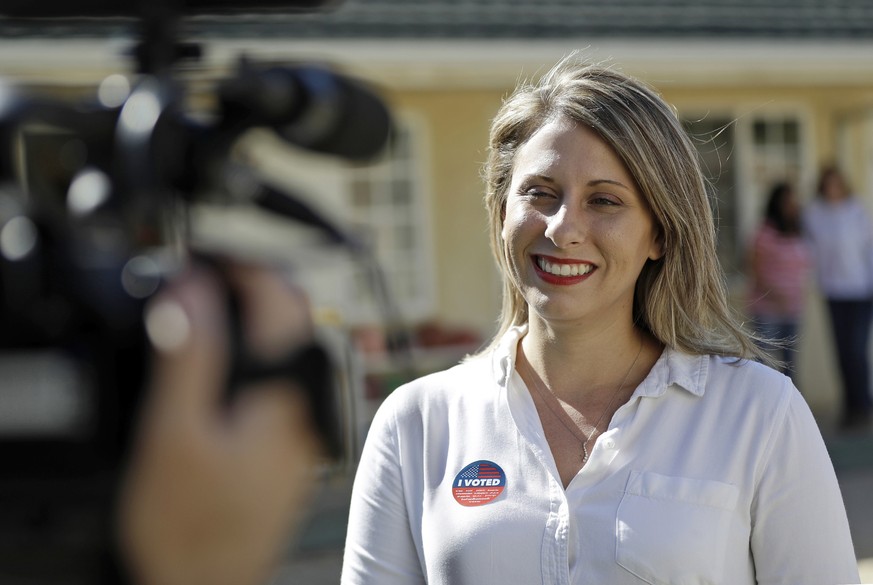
<point x="779" y="263"/>
<point x="841" y="236"/>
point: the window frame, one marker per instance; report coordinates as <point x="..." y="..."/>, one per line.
<point x="340" y="287"/>
<point x="751" y="192"/>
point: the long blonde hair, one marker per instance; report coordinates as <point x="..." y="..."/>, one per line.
<point x="680" y="298"/>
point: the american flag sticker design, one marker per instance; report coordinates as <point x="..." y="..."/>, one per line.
<point x="478" y="483"/>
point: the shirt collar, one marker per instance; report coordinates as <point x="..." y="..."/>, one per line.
<point x="503" y="360"/>
<point x="674" y="367"/>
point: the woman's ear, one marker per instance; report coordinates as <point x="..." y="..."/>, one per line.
<point x="658" y="249"/>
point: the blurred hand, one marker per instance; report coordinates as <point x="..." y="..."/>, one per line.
<point x="212" y="493"/>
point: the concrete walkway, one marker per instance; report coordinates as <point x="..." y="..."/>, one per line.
<point x="853" y="460"/>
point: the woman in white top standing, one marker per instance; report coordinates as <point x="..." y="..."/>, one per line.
<point x="841" y="236"/>
<point x="617" y="429"/>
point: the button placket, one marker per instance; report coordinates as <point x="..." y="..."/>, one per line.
<point x="555" y="564"/>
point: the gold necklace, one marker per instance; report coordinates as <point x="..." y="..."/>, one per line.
<point x="535" y="378"/>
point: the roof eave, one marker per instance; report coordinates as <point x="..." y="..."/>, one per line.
<point x="411" y="64"/>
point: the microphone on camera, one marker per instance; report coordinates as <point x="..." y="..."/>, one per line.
<point x="311" y="107"/>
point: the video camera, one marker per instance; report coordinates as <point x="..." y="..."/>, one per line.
<point x="94" y="215"/>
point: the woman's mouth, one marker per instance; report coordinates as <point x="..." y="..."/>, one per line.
<point x="558" y="271"/>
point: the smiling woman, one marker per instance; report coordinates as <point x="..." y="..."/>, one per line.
<point x="634" y="432"/>
<point x="573" y="214"/>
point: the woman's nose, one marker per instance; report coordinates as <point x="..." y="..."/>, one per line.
<point x="565" y="228"/>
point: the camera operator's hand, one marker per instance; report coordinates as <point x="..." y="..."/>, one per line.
<point x="212" y="492"/>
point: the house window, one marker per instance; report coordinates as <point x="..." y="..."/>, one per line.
<point x="742" y="158"/>
<point x="776" y="151"/>
<point x="383" y="204"/>
<point x="388" y="211"/>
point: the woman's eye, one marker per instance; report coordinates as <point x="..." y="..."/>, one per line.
<point x="607" y="201"/>
<point x="538" y="194"/>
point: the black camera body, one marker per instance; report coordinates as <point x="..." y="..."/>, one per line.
<point x="94" y="201"/>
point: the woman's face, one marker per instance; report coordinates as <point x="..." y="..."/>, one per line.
<point x="790" y="206"/>
<point x="833" y="188"/>
<point x="577" y="231"/>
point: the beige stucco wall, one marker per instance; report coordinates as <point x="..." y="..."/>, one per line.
<point x="457" y="124"/>
<point x="456" y="119"/>
<point x="467" y="285"/>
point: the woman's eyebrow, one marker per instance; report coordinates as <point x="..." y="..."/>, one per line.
<point x="596" y="182"/>
<point x="539" y="177"/>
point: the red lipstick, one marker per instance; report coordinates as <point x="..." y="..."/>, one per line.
<point x="558" y="279"/>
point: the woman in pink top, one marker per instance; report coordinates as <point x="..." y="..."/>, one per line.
<point x="780" y="264"/>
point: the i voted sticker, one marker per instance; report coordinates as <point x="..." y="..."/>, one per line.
<point x="478" y="483"/>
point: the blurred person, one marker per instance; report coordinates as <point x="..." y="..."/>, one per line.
<point x="213" y="492"/>
<point x="840" y="234"/>
<point x="780" y="263"/>
<point x="618" y="428"/>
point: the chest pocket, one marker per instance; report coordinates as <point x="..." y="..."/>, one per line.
<point x="673" y="530"/>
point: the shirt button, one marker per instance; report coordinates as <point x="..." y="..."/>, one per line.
<point x="609" y="444"/>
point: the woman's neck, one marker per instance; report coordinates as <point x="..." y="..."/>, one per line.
<point x="578" y="362"/>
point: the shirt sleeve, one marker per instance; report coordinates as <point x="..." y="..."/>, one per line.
<point x="866" y="236"/>
<point x="379" y="547"/>
<point x="800" y="533"/>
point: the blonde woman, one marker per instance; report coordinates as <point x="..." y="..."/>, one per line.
<point x="618" y="429"/>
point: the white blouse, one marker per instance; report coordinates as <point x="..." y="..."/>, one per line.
<point x="713" y="472"/>
<point x="841" y="239"/>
